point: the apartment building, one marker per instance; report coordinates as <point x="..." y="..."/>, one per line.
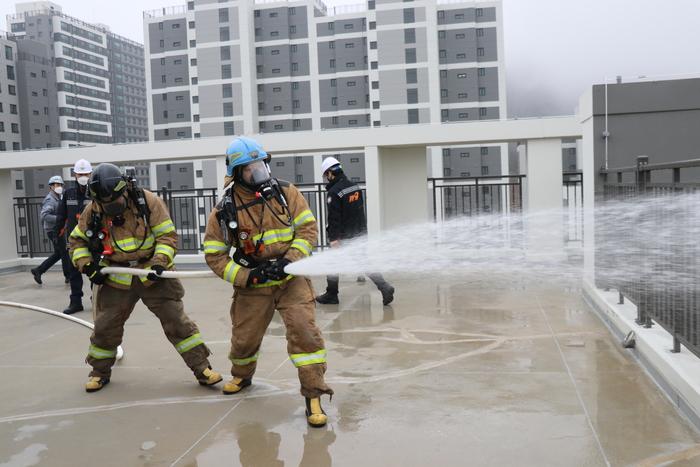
<point x="234" y="67"/>
<point x="10" y="135"/>
<point x="78" y="83"/>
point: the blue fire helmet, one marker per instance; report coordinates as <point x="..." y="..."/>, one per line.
<point x="243" y="151"/>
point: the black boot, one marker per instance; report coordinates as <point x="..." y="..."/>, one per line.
<point x="74" y="307"/>
<point x="387" y="294"/>
<point x="328" y="299"/>
<point x="37" y="276"/>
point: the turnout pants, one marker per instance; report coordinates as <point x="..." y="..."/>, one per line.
<point x="251" y="313"/>
<point x="164" y="299"/>
<point x="333" y="282"/>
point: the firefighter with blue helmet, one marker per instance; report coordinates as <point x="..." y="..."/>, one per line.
<point x="258" y="228"/>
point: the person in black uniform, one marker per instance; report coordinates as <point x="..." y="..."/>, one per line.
<point x="74" y="201"/>
<point x="346" y="220"/>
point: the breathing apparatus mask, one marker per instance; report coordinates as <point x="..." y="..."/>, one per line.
<point x="257" y="177"/>
<point x="115" y="209"/>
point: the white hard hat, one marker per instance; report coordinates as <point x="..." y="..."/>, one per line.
<point x="82" y="167"/>
<point x="327" y="163"/>
<point x="56" y="179"/>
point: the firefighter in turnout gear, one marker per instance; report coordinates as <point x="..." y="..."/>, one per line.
<point x="346" y="220"/>
<point x="269" y="225"/>
<point x="130" y="227"/>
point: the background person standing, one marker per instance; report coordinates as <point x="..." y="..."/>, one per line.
<point x="74" y="201"/>
<point x="49" y="210"/>
<point x="346" y="220"/>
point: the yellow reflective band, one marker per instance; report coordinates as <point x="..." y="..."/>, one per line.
<point x="274" y="236"/>
<point x="80" y="253"/>
<point x="77" y="233"/>
<point x="122" y="279"/>
<point x="145" y="279"/>
<point x="231" y="271"/>
<point x="303" y="359"/>
<point x="304" y="217"/>
<point x="245" y="361"/>
<point x="100" y="353"/>
<point x="213" y="247"/>
<point x="189" y="343"/>
<point x="163" y="228"/>
<point x="166" y="250"/>
<point x="302" y="245"/>
<point x="131" y="243"/>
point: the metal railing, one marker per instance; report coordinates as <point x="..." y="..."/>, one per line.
<point x="573" y="206"/>
<point x="663" y="279"/>
<point x="467" y="196"/>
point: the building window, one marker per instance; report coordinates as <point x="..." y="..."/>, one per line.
<point x="374" y="65"/>
<point x="225" y="53"/>
<point x="295" y="85"/>
<point x="12" y="90"/>
<point x="228" y="109"/>
<point x="277" y="108"/>
<point x="292" y="29"/>
<point x="464" y="155"/>
<point x="10" y="72"/>
<point x="375" y="104"/>
<point x="479" y="12"/>
<point x="275" y="34"/>
<point x="223" y="15"/>
<point x="372" y="25"/>
<point x="352" y="122"/>
<point x="193" y="62"/>
<point x="409" y="15"/>
<point x="409" y="36"/>
<point x="480" y="32"/>
<point x="226" y="90"/>
<point x="225" y="71"/>
<point x="292" y="11"/>
<point x="482" y="92"/>
<point x="177" y="44"/>
<point x="483" y="112"/>
<point x="193" y="43"/>
<point x="463" y="116"/>
<point x="295" y="104"/>
<point x="279" y="164"/>
<point x="194" y="80"/>
<point x="443" y="53"/>
<point x="293" y="48"/>
<point x="412" y="96"/>
<point x="190" y="25"/>
<point x="351" y="83"/>
<point x="8" y="52"/>
<point x="350" y="65"/>
<point x="462" y="95"/>
<point x="370" y="5"/>
<point x="461" y="56"/>
<point x="480" y="52"/>
<point x="334" y="101"/>
<point x="484" y="170"/>
<point x="482" y="71"/>
<point x="334" y="120"/>
<point x="275" y="70"/>
<point x="446" y="171"/>
<point x="375" y="84"/>
<point x="299" y="178"/>
<point x="443" y="92"/>
<point x="332" y="62"/>
<point x="13" y="109"/>
<point x="273" y="14"/>
<point x="349" y="26"/>
<point x="412" y="116"/>
<point x="410" y="55"/>
<point x="352" y="102"/>
<point x="14" y="127"/>
<point x="224" y="34"/>
<point x="295" y="66"/>
<point x="279" y="127"/>
<point x="459" y="17"/>
<point x="484" y="151"/>
<point x="461" y="75"/>
<point x="297" y="123"/>
<point x="228" y="128"/>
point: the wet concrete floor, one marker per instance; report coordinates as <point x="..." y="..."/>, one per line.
<point x="451" y="374"/>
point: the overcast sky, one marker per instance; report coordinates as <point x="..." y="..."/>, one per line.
<point x="554" y="48"/>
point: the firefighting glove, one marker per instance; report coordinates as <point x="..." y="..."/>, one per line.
<point x="276" y="269"/>
<point x="156" y="274"/>
<point x="92" y="271"/>
<point x="258" y="275"/>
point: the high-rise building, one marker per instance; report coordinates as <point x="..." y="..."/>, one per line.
<point x="240" y="67"/>
<point x="91" y="89"/>
<point x="10" y="136"/>
<point x="236" y="66"/>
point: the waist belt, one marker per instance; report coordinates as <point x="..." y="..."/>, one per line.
<point x="129" y="264"/>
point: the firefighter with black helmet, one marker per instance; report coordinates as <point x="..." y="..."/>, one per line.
<point x="269" y="225"/>
<point x="131" y="227"/>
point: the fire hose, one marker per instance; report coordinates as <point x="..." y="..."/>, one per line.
<point x="87" y="324"/>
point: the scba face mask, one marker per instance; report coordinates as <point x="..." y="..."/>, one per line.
<point x="115" y="208"/>
<point x="255" y="174"/>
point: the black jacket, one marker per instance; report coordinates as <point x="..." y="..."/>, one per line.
<point x="346" y="209"/>
<point x="74" y="201"/>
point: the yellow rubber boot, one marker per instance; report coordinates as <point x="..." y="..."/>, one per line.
<point x="314" y="413"/>
<point x="95" y="383"/>
<point x="208" y="377"/>
<point x="235" y="385"/>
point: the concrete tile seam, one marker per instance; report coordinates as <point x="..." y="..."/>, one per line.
<point x="573" y="382"/>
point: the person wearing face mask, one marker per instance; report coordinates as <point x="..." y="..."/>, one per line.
<point x="126" y="226"/>
<point x="346" y="220"/>
<point x="74" y="201"/>
<point x="269" y="224"/>
<point x="49" y="208"/>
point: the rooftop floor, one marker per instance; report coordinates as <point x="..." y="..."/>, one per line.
<point x="453" y="374"/>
